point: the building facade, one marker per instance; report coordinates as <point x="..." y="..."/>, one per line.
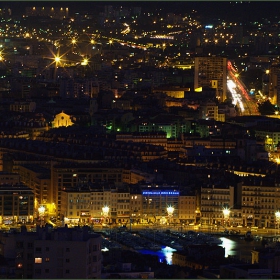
<point x="214" y="200"/>
<point x="211" y="72"/>
<point x="52" y="254"/>
<point x="16" y="204"/>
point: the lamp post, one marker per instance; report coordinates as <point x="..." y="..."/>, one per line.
<point x="226" y="213"/>
<point x="105" y="212"/>
<point x="170" y="210"/>
<point x="277" y="216"/>
<point x="41" y="211"/>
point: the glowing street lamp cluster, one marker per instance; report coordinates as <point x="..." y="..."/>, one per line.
<point x="105" y="212"/>
<point x="226" y="213"/>
<point x="170" y="210"/>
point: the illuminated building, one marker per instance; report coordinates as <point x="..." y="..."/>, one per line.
<point x="62" y="119"/>
<point x="259" y="201"/>
<point x="172" y="125"/>
<point x="136" y="205"/>
<point x="153" y="138"/>
<point x="211" y="72"/>
<point x="38" y="179"/>
<point x="187" y="207"/>
<point x="68" y="176"/>
<point x="16" y="204"/>
<point x="156" y="199"/>
<point x="86" y="204"/>
<point x="214" y="199"/>
<point x="175" y="92"/>
<point x="210" y="111"/>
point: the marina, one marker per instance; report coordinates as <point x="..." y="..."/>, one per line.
<point x="165" y="243"/>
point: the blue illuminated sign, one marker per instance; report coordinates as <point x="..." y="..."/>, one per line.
<point x="160" y="193"/>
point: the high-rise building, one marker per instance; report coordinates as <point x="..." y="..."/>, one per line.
<point x="211" y="72"/>
<point x="274" y="85"/>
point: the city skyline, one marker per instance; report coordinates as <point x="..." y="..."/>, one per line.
<point x="246" y="9"/>
<point x="118" y="117"/>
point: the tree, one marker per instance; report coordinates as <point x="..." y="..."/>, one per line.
<point x="266" y="108"/>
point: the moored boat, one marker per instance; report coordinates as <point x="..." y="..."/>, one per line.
<point x="248" y="236"/>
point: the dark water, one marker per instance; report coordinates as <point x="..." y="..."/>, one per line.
<point x="239" y="248"/>
<point x="236" y="247"/>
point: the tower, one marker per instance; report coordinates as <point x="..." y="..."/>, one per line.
<point x="211" y="72"/>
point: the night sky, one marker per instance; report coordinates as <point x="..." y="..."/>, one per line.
<point x="241" y="10"/>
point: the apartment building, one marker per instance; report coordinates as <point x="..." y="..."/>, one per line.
<point x="96" y="204"/>
<point x="274" y="82"/>
<point x="136" y="205"/>
<point x="38" y="178"/>
<point x="9" y="178"/>
<point x="23" y="106"/>
<point x="69" y="176"/>
<point x="16" y="204"/>
<point x="153" y="138"/>
<point x="211" y="71"/>
<point x="214" y="199"/>
<point x="187" y="208"/>
<point x="260" y="199"/>
<point x="54" y="254"/>
<point x="160" y="204"/>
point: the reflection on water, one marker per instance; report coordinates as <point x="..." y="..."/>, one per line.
<point x="239" y="248"/>
<point x="229" y="246"/>
<point x="165" y="254"/>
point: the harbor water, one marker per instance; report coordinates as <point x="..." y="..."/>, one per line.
<point x="235" y="247"/>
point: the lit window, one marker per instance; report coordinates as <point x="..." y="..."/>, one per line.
<point x="38" y="260"/>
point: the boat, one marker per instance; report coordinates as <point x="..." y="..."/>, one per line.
<point x="214" y="241"/>
<point x="248" y="236"/>
<point x="176" y="245"/>
<point x="155" y="247"/>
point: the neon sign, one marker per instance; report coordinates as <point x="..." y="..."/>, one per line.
<point x="160" y="193"/>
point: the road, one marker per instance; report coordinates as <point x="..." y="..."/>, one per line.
<point x="240" y="97"/>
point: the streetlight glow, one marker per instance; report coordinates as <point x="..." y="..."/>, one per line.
<point x="170" y="210"/>
<point x="105" y="211"/>
<point x="226" y="212"/>
<point x="41" y="211"/>
<point x="277" y="216"/>
<point x="57" y="59"/>
<point x="85" y="61"/>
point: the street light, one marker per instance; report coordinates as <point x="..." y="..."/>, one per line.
<point x="41" y="211"/>
<point x="277" y="216"/>
<point x="105" y="212"/>
<point x="170" y="210"/>
<point x="226" y="213"/>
